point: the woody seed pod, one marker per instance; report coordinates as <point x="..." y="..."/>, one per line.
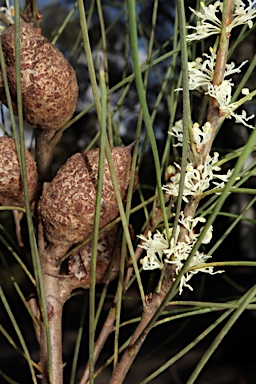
<point x="67" y="207"/>
<point x="49" y="86"/>
<point x="80" y="262"/>
<point x="11" y="188"/>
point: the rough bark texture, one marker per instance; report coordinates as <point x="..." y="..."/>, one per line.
<point x="55" y="304"/>
<point x="140" y="334"/>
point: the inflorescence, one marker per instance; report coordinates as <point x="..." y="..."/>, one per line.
<point x="203" y="177"/>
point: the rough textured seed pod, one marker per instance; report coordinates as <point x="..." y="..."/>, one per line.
<point x="67" y="207"/>
<point x="11" y="189"/>
<point x="80" y="262"/>
<point x="49" y="85"/>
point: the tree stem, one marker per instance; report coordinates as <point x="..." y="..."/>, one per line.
<point x="44" y="153"/>
<point x="54" y="309"/>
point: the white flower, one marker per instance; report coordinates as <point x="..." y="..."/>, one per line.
<point x="200" y="77"/>
<point x="178" y="251"/>
<point x="177" y="132"/>
<point x="241" y="119"/>
<point x="150" y="261"/>
<point x="197" y="261"/>
<point x="210" y="18"/>
<point x="197" y="180"/>
<point x="200" y="134"/>
<point x="209" y="24"/>
<point x="244" y="12"/>
<point x="201" y="72"/>
<point x="189" y="224"/>
<point x="222" y="93"/>
<point x="155" y="249"/>
<point x="245" y="91"/>
<point x="208" y="236"/>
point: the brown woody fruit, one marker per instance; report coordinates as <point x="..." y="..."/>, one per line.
<point x="68" y="204"/>
<point x="49" y="85"/>
<point x="11" y="188"/>
<point x="79" y="264"/>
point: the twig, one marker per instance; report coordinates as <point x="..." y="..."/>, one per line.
<point x="109" y="322"/>
<point x="158" y="299"/>
<point x="16" y="216"/>
<point x="32" y="303"/>
<point x="141" y="332"/>
<point x="44" y="153"/>
<point x="54" y="309"/>
<point x="214" y="116"/>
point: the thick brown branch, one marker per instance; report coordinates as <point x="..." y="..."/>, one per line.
<point x="140" y="334"/>
<point x="109" y="322"/>
<point x="213" y="117"/>
<point x="54" y="309"/>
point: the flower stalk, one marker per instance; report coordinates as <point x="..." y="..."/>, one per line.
<point x="179" y="258"/>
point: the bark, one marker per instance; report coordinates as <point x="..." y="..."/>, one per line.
<point x="44" y="153"/>
<point x="54" y="310"/>
<point x="140" y="333"/>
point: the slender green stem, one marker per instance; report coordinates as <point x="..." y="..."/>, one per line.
<point x="103" y="135"/>
<point x="187" y="124"/>
<point x="88" y="53"/>
<point x="64" y="24"/>
<point x="19" y="334"/>
<point x="188" y="348"/>
<point x="78" y="340"/>
<point x="240" y="162"/>
<point x="17" y="258"/>
<point x="143" y="103"/>
<point x="32" y="239"/>
<point x="244" y="301"/>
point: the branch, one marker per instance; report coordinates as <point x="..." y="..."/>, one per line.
<point x="44" y="152"/>
<point x="55" y="304"/>
<point x="143" y="328"/>
<point x="109" y="322"/>
<point x="214" y="116"/>
<point x="153" y="308"/>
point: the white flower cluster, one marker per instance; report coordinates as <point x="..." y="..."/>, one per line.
<point x="197" y="180"/>
<point x="200" y="134"/>
<point x="200" y="77"/>
<point x="210" y="18"/>
<point x="201" y="71"/>
<point x="177" y="252"/>
<point x="155" y="247"/>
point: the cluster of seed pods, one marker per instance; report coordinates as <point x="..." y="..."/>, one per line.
<point x="67" y="206"/>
